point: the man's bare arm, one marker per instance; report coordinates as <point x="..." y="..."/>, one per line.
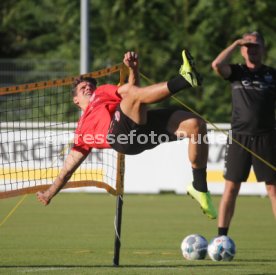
<point x="71" y="163"/>
<point x="131" y="61"/>
<point x="221" y="64"/>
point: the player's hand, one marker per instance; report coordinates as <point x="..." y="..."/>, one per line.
<point x="246" y="42"/>
<point x="131" y="60"/>
<point x="43" y="197"/>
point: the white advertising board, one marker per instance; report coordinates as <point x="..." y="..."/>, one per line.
<point x="164" y="168"/>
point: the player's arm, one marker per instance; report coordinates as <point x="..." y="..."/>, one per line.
<point x="71" y="163"/>
<point x="221" y="64"/>
<point x="132" y="62"/>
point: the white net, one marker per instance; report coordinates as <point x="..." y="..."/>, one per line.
<point x="36" y="130"/>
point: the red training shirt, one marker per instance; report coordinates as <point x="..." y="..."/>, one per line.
<point x="94" y="123"/>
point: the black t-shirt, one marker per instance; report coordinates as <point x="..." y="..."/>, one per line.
<point x="253" y="99"/>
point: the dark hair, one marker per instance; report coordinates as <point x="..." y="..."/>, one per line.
<point x="258" y="35"/>
<point x="80" y="79"/>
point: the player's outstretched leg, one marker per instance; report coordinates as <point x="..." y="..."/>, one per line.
<point x="204" y="200"/>
<point x="188" y="70"/>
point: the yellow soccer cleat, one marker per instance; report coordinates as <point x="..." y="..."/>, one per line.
<point x="205" y="201"/>
<point x="188" y="70"/>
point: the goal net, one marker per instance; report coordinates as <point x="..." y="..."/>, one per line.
<point x="37" y="124"/>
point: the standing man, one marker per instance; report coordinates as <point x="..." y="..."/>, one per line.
<point x="253" y="121"/>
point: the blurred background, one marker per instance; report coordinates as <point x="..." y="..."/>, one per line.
<point x="40" y="40"/>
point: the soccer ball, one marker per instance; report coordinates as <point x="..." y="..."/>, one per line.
<point x="194" y="247"/>
<point x="221" y="248"/>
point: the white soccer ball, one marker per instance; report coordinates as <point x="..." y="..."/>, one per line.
<point x="194" y="247"/>
<point x="222" y="248"/>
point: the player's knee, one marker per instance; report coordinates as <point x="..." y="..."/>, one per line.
<point x="271" y="190"/>
<point x="198" y="126"/>
<point x="129" y="92"/>
<point x="131" y="103"/>
<point x="127" y="89"/>
<point x="231" y="189"/>
<point x="123" y="90"/>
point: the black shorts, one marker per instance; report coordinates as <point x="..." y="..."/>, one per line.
<point x="238" y="160"/>
<point x="127" y="137"/>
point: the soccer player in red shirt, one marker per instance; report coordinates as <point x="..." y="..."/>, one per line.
<point x="117" y="117"/>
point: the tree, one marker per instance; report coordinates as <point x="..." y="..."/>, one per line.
<point x="156" y="29"/>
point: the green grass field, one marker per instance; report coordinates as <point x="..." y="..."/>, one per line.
<point x="75" y="235"/>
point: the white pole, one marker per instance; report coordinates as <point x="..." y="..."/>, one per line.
<point x="84" y="47"/>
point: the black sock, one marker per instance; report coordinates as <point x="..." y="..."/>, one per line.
<point x="200" y="182"/>
<point x="223" y="231"/>
<point x="177" y="84"/>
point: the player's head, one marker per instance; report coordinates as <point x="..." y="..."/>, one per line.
<point x="254" y="50"/>
<point x="82" y="90"/>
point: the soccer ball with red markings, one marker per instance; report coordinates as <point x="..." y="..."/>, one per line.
<point x="222" y="248"/>
<point x="194" y="247"/>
